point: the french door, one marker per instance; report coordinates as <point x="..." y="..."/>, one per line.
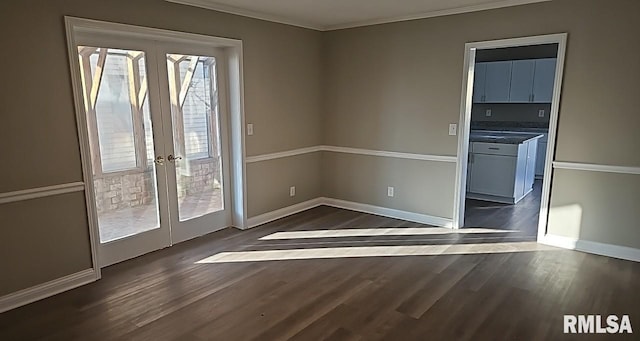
<point x="157" y="129"/>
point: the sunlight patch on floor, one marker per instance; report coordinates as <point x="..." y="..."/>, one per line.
<point x="377" y="232"/>
<point x="373" y="251"/>
<point x="408" y="239"/>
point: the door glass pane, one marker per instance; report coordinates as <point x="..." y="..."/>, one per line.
<point x="121" y="141"/>
<point x="193" y="89"/>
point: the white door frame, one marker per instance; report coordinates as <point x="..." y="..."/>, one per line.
<point x="233" y="61"/>
<point x="465" y="121"/>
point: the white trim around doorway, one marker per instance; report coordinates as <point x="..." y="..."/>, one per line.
<point x="465" y="120"/>
<point x="233" y="61"/>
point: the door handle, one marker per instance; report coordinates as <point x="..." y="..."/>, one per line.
<point x="159" y="160"/>
<point x="172" y="158"/>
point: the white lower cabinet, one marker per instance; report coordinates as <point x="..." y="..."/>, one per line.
<point x="489" y="174"/>
<point x="541" y="156"/>
<point x="530" y="172"/>
<point x="501" y="172"/>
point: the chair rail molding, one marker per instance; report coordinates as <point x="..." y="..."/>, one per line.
<point x="596" y="167"/>
<point x="41" y="192"/>
<point x="283" y="154"/>
<point x="350" y="150"/>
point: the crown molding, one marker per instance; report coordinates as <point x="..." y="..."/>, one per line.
<point x="432" y="14"/>
<point x="247" y="13"/>
<point x="212" y="5"/>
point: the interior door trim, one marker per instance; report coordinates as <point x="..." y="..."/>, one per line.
<point x="466" y="102"/>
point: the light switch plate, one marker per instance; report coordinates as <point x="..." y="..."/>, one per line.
<point x="390" y="191"/>
<point x="249" y="128"/>
<point x="541" y="113"/>
<point x="292" y="191"/>
<point x="487" y="112"/>
<point x="453" y="129"/>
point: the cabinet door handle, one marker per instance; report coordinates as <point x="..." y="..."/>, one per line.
<point x="494" y="148"/>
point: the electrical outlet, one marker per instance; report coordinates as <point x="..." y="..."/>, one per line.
<point x="249" y="129"/>
<point x="487" y="112"/>
<point x="390" y="191"/>
<point x="453" y="129"/>
<point x="292" y="191"/>
<point x="541" y="113"/>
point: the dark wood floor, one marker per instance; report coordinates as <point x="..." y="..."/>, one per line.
<point x="522" y="216"/>
<point x="481" y="293"/>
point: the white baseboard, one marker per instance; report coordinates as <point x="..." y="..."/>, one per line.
<point x="44" y="290"/>
<point x="389" y="212"/>
<point x="609" y="250"/>
<point x="349" y="205"/>
<point x="283" y="212"/>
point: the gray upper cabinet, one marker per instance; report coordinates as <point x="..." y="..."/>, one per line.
<point x="518" y="81"/>
<point x="522" y="73"/>
<point x="543" y="80"/>
<point x="478" y="82"/>
<point x="497" y="82"/>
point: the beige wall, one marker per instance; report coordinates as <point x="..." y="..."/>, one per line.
<point x="281" y="68"/>
<point x="364" y="179"/>
<point x="282" y="82"/>
<point x="596" y="206"/>
<point x="397" y="87"/>
<point x="392" y="87"/>
<point x="43" y="239"/>
<point x="301" y="171"/>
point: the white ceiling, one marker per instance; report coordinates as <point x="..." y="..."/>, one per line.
<point x="327" y="15"/>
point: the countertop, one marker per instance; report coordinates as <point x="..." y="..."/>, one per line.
<point x="502" y="137"/>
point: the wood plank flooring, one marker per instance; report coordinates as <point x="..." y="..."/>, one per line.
<point x="522" y="216"/>
<point x="500" y="286"/>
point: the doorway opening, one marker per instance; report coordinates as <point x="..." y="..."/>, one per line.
<point x="508" y="125"/>
<point x="160" y="125"/>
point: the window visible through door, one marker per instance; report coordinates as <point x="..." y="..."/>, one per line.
<point x="121" y="140"/>
<point x="193" y="90"/>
